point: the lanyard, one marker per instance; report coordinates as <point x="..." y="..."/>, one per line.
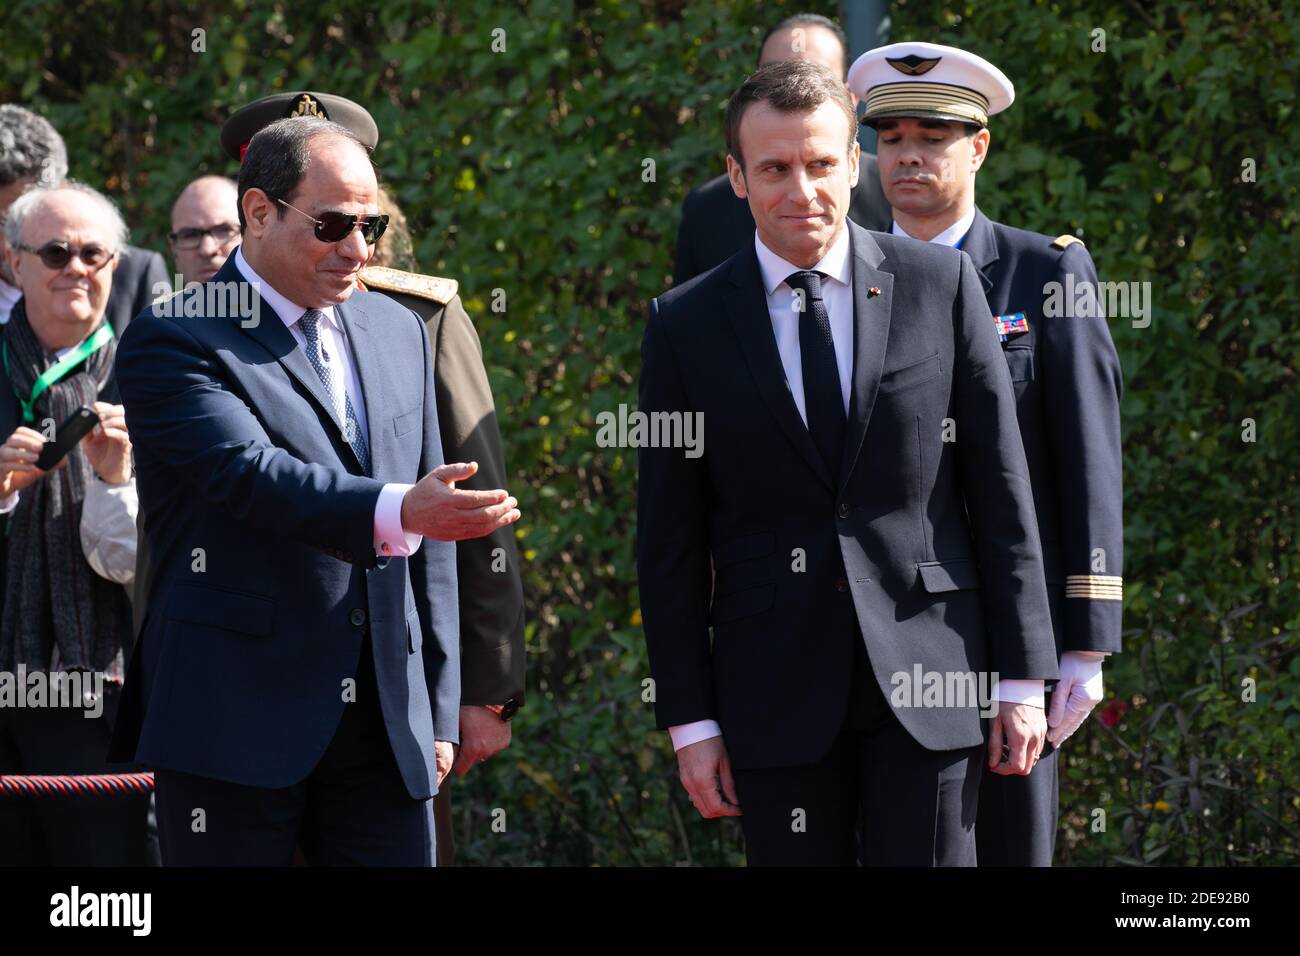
<point x="62" y="367"/>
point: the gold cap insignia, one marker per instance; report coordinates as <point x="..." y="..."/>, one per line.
<point x="913" y="65"/>
<point x="307" y="105"/>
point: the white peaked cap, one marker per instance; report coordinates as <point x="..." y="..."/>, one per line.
<point x="929" y="81"/>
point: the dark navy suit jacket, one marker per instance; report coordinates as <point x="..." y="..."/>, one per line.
<point x="263" y="572"/>
<point x="1067" y="379"/>
<point x="929" y="547"/>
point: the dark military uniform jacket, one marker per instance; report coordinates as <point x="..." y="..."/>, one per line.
<point x="1066" y="376"/>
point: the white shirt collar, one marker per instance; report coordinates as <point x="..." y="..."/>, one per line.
<point x="9" y="296"/>
<point x="950" y="236"/>
<point x="835" y="264"/>
<point x="289" y="312"/>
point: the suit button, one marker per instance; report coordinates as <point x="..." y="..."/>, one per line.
<point x="844" y="509"/>
<point x="357" y="617"/>
<point x="841" y="584"/>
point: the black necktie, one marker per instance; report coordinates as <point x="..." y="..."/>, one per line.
<point x="822" y="397"/>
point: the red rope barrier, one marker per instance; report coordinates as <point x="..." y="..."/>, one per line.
<point x="33" y="785"/>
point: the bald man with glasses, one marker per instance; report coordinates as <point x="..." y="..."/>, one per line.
<point x="205" y="227"/>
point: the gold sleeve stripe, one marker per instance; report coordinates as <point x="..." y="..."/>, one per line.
<point x="1094" y="587"/>
<point x="1106" y="580"/>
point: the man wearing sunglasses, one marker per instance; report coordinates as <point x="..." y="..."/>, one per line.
<point x="297" y="675"/>
<point x="31" y="153"/>
<point x="205" y="227"/>
<point x="58" y="615"/>
<point x="488" y="582"/>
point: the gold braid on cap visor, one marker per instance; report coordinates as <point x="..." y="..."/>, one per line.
<point x="919" y="98"/>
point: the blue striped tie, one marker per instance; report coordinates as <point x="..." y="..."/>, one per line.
<point x="310" y="324"/>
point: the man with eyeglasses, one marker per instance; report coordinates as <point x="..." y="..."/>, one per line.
<point x="205" y="227"/>
<point x="297" y="676"/>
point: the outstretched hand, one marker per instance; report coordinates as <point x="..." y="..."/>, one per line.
<point x="437" y="509"/>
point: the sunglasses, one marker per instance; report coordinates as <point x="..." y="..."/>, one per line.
<point x="56" y="255"/>
<point x="335" y="226"/>
<point x="193" y="238"/>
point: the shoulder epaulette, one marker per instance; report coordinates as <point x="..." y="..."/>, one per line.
<point x="434" y="288"/>
<point x="1065" y="241"/>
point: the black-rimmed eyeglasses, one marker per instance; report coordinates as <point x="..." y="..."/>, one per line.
<point x="193" y="238"/>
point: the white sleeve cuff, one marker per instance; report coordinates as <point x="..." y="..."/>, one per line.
<point x="9" y="504"/>
<point x="108" y="532"/>
<point x="686" y="734"/>
<point x="1020" y="692"/>
<point x="391" y="540"/>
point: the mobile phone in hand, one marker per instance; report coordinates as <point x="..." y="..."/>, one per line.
<point x="77" y="426"/>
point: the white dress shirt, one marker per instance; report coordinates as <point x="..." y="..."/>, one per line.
<point x="108" y="529"/>
<point x="950" y="236"/>
<point x="391" y="539"/>
<point x="837" y="293"/>
<point x="9" y="296"/>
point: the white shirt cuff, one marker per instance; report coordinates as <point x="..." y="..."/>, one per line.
<point x="108" y="529"/>
<point x="1020" y="692"/>
<point x="9" y="504"/>
<point x="686" y="734"/>
<point x="391" y="539"/>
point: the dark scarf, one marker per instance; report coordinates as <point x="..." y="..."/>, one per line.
<point x="52" y="597"/>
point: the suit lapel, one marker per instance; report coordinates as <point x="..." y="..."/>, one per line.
<point x="370" y="376"/>
<point x="753" y="326"/>
<point x="274" y="336"/>
<point x="982" y="247"/>
<point x="871" y="318"/>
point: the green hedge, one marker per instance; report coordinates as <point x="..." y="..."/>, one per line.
<point x="522" y="171"/>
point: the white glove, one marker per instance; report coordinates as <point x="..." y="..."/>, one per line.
<point x="1077" y="693"/>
